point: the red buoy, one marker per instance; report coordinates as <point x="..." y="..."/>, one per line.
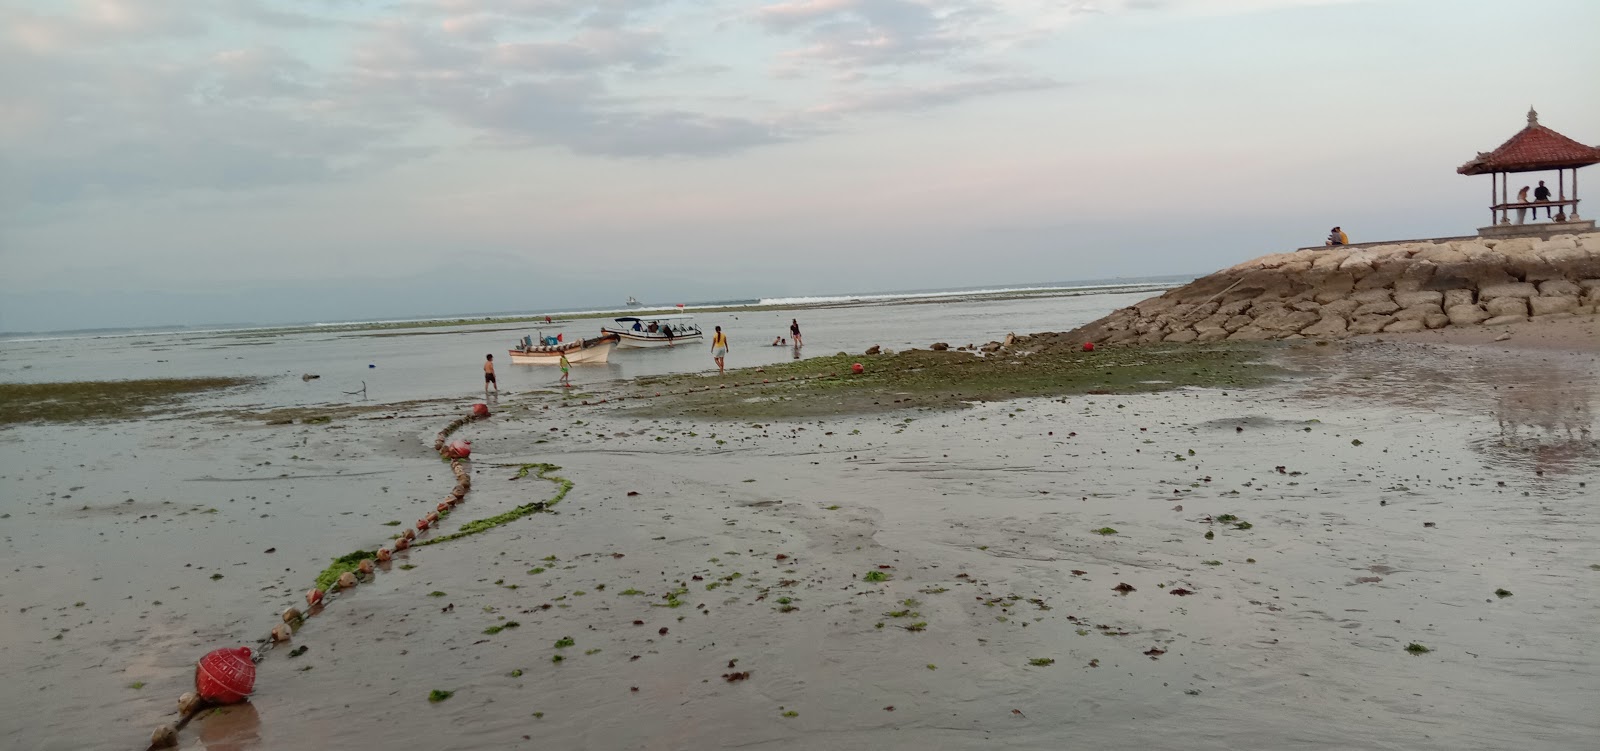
<point x="1088" y="346"/>
<point x="225" y="676"/>
<point x="856" y="368"/>
<point x="459" y="449"/>
<point x="480" y="410"/>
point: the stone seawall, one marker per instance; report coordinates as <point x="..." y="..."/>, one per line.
<point x="1336" y="293"/>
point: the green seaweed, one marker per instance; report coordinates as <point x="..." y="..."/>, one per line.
<point x="86" y="401"/>
<point x="437" y="695"/>
<point x="563" y="486"/>
<point x="876" y="576"/>
<point x="346" y="562"/>
<point x="1417" y="649"/>
<point x="1041" y="662"/>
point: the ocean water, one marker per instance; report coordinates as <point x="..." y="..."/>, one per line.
<point x="403" y="364"/>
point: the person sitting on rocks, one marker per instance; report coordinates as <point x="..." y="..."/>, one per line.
<point x="1337" y="236"/>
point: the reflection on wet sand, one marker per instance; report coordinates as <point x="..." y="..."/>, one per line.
<point x="1543" y="403"/>
<point x="231" y="728"/>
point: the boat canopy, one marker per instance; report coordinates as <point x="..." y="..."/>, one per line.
<point x="647" y="319"/>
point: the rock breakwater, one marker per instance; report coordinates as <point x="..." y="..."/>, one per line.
<point x="1337" y="293"/>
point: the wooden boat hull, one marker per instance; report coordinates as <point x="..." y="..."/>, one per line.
<point x="588" y="351"/>
<point x="646" y="340"/>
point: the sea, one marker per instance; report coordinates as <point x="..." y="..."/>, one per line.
<point x="396" y="360"/>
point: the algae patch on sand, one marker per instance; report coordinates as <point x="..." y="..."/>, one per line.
<point x="821" y="386"/>
<point x="85" y="401"/>
<point x="347" y="562"/>
<point x="563" y="486"/>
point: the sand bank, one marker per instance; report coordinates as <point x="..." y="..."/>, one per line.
<point x="1389" y="491"/>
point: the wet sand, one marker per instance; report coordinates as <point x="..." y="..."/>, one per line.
<point x="1390" y="490"/>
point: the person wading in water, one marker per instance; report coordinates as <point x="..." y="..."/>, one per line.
<point x="719" y="349"/>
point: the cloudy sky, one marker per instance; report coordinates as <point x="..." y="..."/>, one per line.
<point x="185" y="162"/>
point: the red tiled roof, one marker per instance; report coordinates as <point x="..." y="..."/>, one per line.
<point x="1533" y="148"/>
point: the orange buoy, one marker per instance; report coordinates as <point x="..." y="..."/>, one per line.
<point x="1088" y="346"/>
<point x="480" y="410"/>
<point x="314" y="597"/>
<point x="422" y="525"/>
<point x="402" y="543"/>
<point x="384" y="554"/>
<point x="856" y="368"/>
<point x="225" y="676"/>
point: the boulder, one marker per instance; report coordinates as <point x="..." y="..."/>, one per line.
<point x="1328" y="327"/>
<point x="1454" y="297"/>
<point x="1370" y="324"/>
<point x="1372" y="295"/>
<point x="1403" y="327"/>
<point x="1418" y="313"/>
<point x="939" y="346"/>
<point x="1506" y="306"/>
<point x="1501" y="320"/>
<point x="1235" y="323"/>
<point x="1250" y="334"/>
<point x="1330" y="260"/>
<point x="1340" y="307"/>
<point x="1559" y="288"/>
<point x="1465" y="315"/>
<point x="1438" y="321"/>
<point x="1286" y="320"/>
<point x="1185" y="335"/>
<point x="1441" y="254"/>
<point x="1413" y="299"/>
<point x="1589" y="285"/>
<point x="1306" y="305"/>
<point x="1335" y="286"/>
<point x="1211" y="334"/>
<point x="1233" y="308"/>
<point x="1381" y="307"/>
<point x="1511" y="289"/>
<point x="1543" y="306"/>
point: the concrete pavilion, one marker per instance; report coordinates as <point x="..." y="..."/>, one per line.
<point x="1535" y="148"/>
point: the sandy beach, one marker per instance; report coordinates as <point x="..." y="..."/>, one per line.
<point x="889" y="578"/>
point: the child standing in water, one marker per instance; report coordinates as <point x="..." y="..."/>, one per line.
<point x="488" y="375"/>
<point x="565" y="367"/>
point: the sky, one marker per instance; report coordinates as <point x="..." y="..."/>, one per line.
<point x="178" y="162"/>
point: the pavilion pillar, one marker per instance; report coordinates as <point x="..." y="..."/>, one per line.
<point x="1504" y="212"/>
<point x="1493" y="215"/>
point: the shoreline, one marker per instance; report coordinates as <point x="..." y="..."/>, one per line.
<point x="1002" y="505"/>
<point x="354" y="327"/>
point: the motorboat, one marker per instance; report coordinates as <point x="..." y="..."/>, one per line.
<point x="547" y="350"/>
<point x="632" y="303"/>
<point x="653" y="331"/>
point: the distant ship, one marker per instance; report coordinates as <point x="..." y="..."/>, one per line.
<point x="632" y="301"/>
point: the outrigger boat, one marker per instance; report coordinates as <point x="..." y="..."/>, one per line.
<point x="653" y="331"/>
<point x="547" y="350"/>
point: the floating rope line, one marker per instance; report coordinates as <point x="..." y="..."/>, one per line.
<point x="350" y="570"/>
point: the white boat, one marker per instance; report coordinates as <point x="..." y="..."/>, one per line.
<point x="633" y="303"/>
<point x="548" y="350"/>
<point x="654" y="331"/>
